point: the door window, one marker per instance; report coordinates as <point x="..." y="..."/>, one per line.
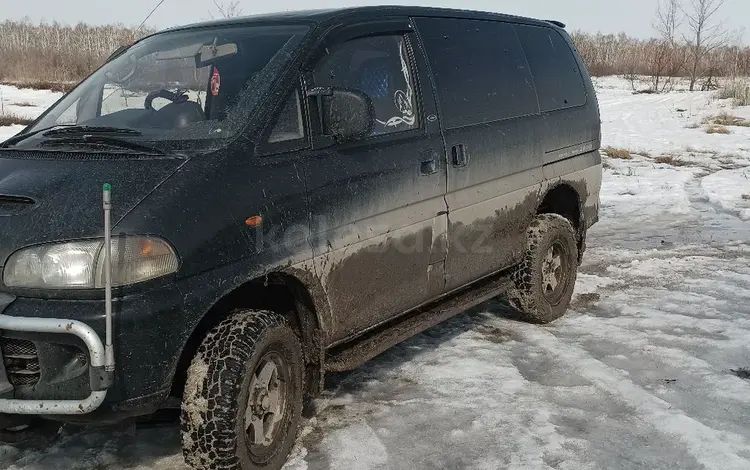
<point x="379" y="67"/>
<point x="289" y="124"/>
<point x="480" y="71"/>
<point x="558" y="78"/>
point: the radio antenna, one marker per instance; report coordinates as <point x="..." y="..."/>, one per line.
<point x="149" y="16"/>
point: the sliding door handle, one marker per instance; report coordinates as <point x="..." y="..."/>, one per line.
<point x="460" y="155"/>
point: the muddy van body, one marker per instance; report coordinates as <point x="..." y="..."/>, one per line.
<point x="290" y="194"/>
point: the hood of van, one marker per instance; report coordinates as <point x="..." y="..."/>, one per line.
<point x="55" y="197"/>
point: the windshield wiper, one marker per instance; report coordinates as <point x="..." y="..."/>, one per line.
<point x="19" y="138"/>
<point x="68" y="129"/>
<point x="90" y="130"/>
<point x="101" y="141"/>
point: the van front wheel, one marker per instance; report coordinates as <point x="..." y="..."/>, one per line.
<point x="544" y="280"/>
<point x="243" y="396"/>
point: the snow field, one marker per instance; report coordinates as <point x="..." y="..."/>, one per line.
<point x="638" y="375"/>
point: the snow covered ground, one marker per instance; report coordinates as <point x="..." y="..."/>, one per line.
<point x="638" y="375"/>
<point x="24" y="103"/>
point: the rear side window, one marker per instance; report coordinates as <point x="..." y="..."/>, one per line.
<point x="558" y="79"/>
<point x="480" y="71"/>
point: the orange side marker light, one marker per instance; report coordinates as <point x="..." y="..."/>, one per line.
<point x="254" y="221"/>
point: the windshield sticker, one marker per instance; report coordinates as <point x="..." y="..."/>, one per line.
<point x="404" y="100"/>
<point x="215" y="82"/>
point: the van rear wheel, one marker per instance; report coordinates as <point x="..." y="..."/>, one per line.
<point x="243" y="397"/>
<point x="544" y="281"/>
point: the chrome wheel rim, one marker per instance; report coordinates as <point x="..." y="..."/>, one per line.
<point x="266" y="404"/>
<point x="554" y="272"/>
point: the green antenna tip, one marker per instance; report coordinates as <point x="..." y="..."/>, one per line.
<point x="107" y="187"/>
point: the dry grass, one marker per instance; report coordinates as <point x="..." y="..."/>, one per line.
<point x="10" y="119"/>
<point x="60" y="87"/>
<point x="614" y="152"/>
<point x="746" y="197"/>
<point x="23" y="104"/>
<point x="738" y="91"/>
<point x="693" y="125"/>
<point x="669" y="160"/>
<point x="715" y="129"/>
<point x="725" y="119"/>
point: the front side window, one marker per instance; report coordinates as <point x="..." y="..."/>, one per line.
<point x="289" y="125"/>
<point x="379" y="67"/>
<point x="183" y="85"/>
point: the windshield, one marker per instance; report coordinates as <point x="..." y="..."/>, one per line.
<point x="184" y="85"/>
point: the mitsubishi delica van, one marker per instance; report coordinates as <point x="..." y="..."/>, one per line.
<point x="224" y="212"/>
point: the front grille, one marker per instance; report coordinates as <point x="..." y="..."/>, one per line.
<point x="21" y="362"/>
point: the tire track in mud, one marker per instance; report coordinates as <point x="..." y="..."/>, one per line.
<point x="703" y="204"/>
<point x="708" y="230"/>
<point x="708" y="446"/>
<point x="707" y="233"/>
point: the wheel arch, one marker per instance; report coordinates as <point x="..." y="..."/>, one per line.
<point x="562" y="199"/>
<point x="565" y="200"/>
<point x="290" y="293"/>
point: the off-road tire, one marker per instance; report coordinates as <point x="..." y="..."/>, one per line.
<point x="215" y="400"/>
<point x="528" y="294"/>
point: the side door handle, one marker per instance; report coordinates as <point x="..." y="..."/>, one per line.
<point x="428" y="167"/>
<point x="429" y="163"/>
<point x="460" y="156"/>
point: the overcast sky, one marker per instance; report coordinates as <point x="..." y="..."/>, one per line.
<point x="608" y="16"/>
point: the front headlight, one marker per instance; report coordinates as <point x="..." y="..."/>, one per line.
<point x="80" y="264"/>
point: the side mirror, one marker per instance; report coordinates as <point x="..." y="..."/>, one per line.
<point x="347" y="115"/>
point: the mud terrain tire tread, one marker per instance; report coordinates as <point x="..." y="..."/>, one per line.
<point x="215" y="396"/>
<point x="527" y="296"/>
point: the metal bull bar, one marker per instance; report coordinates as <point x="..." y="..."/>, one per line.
<point x="101" y="356"/>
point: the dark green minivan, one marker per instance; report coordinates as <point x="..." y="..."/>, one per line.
<point x="224" y="212"/>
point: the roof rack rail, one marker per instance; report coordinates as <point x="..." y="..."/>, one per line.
<point x="559" y="24"/>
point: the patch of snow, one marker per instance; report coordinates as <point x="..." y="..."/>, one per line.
<point x="637" y="375"/>
<point x="660" y="124"/>
<point x="24" y="103"/>
<point x="6" y="132"/>
<point x="636" y="190"/>
<point x="730" y="190"/>
<point x="345" y="457"/>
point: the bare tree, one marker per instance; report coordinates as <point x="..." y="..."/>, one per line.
<point x="668" y="19"/>
<point x="707" y="33"/>
<point x="230" y="10"/>
<point x="667" y="58"/>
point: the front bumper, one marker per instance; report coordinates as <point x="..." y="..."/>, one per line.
<point x="151" y="327"/>
<point x="100" y="380"/>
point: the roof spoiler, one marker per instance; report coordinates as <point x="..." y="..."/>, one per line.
<point x="559" y="24"/>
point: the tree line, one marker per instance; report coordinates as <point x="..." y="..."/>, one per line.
<point x="53" y="52"/>
<point x="620" y="54"/>
<point x="690" y="41"/>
